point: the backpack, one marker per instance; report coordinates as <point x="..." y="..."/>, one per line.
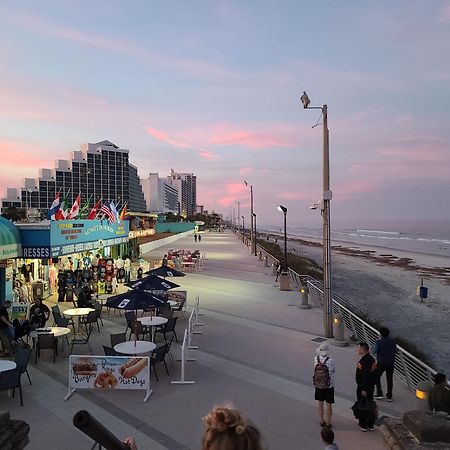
<point x="321" y="377"/>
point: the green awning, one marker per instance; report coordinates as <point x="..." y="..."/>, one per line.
<point x="10" y="246"/>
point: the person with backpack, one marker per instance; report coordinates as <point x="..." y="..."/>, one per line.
<point x="324" y="380"/>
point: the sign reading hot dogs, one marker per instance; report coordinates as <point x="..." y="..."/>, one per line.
<point x="109" y="373"/>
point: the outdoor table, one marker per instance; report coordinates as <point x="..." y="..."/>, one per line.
<point x="77" y="312"/>
<point x="134" y="347"/>
<point x="152" y="322"/>
<point x="8" y="365"/>
<point x="56" y="331"/>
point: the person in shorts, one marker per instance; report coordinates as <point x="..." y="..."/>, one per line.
<point x="324" y="381"/>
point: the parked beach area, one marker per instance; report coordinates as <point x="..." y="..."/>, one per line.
<point x="382" y="282"/>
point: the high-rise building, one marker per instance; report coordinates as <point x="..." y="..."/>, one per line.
<point x="159" y="195"/>
<point x="100" y="170"/>
<point x="186" y="185"/>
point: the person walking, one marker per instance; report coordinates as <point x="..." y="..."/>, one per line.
<point x="199" y="238"/>
<point x="195" y="237"/>
<point x="365" y="381"/>
<point x="385" y="350"/>
<point x="324" y="380"/>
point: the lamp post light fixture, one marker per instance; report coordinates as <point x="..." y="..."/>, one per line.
<point x="254" y="234"/>
<point x="239" y="216"/>
<point x="243" y="229"/>
<point x="324" y="206"/>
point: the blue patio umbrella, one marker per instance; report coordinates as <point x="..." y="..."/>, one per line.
<point x="165" y="271"/>
<point x="152" y="283"/>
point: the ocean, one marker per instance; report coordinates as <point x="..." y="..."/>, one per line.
<point x="430" y="237"/>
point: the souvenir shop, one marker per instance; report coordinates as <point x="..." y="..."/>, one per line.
<point x="142" y="229"/>
<point x="59" y="256"/>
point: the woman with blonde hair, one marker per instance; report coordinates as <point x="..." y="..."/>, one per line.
<point x="226" y="429"/>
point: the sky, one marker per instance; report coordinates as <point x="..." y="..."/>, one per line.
<point x="213" y="88"/>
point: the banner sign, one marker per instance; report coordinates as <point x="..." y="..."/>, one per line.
<point x="140" y="233"/>
<point x="109" y="373"/>
<point x="176" y="296"/>
<point x="36" y="252"/>
<point x="73" y="236"/>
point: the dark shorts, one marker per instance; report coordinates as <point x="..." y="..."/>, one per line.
<point x="324" y="395"/>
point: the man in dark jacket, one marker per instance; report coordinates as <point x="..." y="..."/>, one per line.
<point x="365" y="381"/>
<point x="385" y="350"/>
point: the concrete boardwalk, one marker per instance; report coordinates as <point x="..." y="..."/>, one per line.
<point x="256" y="351"/>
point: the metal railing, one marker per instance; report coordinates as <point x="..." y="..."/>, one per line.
<point x="408" y="369"/>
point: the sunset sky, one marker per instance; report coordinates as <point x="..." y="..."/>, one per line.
<point x="213" y="87"/>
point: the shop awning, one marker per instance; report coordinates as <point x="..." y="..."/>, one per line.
<point x="10" y="246"/>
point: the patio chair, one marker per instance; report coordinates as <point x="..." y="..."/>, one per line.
<point x="158" y="356"/>
<point x="168" y="327"/>
<point x="180" y="307"/>
<point x="138" y="329"/>
<point x="90" y="319"/>
<point x="109" y="351"/>
<point x="22" y="358"/>
<point x="117" y="338"/>
<point x="64" y="322"/>
<point x="98" y="308"/>
<point x="165" y="311"/>
<point x="10" y="379"/>
<point x="45" y="341"/>
<point x="83" y="339"/>
<point x="130" y="317"/>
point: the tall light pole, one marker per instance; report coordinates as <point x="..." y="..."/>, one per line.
<point x="252" y="232"/>
<point x="283" y="209"/>
<point x="243" y="229"/>
<point x="239" y="216"/>
<point x="327" y="195"/>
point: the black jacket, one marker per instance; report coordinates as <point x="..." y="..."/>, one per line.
<point x="365" y="371"/>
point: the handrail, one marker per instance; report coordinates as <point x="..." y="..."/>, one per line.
<point x="409" y="369"/>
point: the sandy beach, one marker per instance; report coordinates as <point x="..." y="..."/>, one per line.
<point x="382" y="282"/>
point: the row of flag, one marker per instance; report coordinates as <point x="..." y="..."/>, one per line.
<point x="59" y="210"/>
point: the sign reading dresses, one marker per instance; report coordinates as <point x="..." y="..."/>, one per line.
<point x="109" y="373"/>
<point x="74" y="236"/>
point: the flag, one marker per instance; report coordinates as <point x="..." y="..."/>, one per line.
<point x="73" y="213"/>
<point x="54" y="208"/>
<point x="84" y="208"/>
<point x="105" y="210"/>
<point x="113" y="209"/>
<point x="61" y="214"/>
<point x="123" y="212"/>
<point x="94" y="210"/>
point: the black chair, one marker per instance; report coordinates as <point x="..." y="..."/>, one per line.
<point x="109" y="351"/>
<point x="45" y="341"/>
<point x="64" y="323"/>
<point x="83" y="339"/>
<point x="165" y="311"/>
<point x="90" y="319"/>
<point x="168" y="327"/>
<point x="159" y="356"/>
<point x="98" y="309"/>
<point x="22" y="359"/>
<point x="10" y="379"/>
<point x="138" y="329"/>
<point x="180" y="306"/>
<point x="130" y="317"/>
<point x="117" y="338"/>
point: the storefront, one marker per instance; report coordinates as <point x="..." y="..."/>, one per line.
<point x="65" y="245"/>
<point x="10" y="247"/>
<point x="142" y="228"/>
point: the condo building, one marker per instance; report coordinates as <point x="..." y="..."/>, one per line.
<point x="186" y="185"/>
<point x="159" y="195"/>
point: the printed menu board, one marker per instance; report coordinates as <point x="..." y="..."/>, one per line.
<point x="109" y="372"/>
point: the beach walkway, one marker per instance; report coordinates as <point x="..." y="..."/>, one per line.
<point x="256" y="351"/>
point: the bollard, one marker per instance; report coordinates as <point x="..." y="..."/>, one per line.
<point x="338" y="331"/>
<point x="260" y="255"/>
<point x="304" y="292"/>
<point x="266" y="261"/>
<point x="422" y="394"/>
<point x="274" y="269"/>
<point x="285" y="282"/>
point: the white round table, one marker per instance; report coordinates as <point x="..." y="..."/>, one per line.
<point x="8" y="365"/>
<point x="152" y="321"/>
<point x="134" y="347"/>
<point x="73" y="312"/>
<point x="57" y="331"/>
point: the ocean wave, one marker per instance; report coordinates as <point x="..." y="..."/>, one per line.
<point x="379" y="232"/>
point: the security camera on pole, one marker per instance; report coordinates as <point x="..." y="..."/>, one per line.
<point x="325" y="208"/>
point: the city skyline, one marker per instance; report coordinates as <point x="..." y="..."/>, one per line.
<point x="213" y="89"/>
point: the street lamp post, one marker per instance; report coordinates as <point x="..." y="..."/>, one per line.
<point x="283" y="209"/>
<point x="327" y="195"/>
<point x="239" y="216"/>
<point x="254" y="233"/>
<point x="243" y="229"/>
<point x="252" y="227"/>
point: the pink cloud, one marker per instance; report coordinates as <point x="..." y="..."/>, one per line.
<point x="445" y="16"/>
